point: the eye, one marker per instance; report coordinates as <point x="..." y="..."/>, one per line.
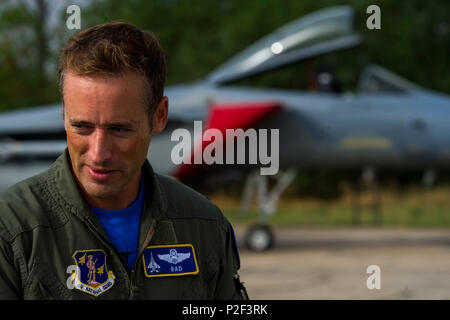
<point x="120" y="130"/>
<point x="81" y="128"/>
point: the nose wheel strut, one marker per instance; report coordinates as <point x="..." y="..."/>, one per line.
<point x="260" y="237"/>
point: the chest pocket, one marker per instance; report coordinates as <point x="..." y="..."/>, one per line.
<point x="203" y="285"/>
<point x="42" y="284"/>
<point x="199" y="286"/>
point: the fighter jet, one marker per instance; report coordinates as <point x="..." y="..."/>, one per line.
<point x="388" y="122"/>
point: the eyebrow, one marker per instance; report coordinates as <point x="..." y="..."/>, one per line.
<point x="126" y="124"/>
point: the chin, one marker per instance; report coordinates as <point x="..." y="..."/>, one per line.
<point x="100" y="191"/>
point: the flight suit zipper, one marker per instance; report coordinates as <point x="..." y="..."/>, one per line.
<point x="106" y="241"/>
<point x="133" y="288"/>
<point x="132" y="281"/>
<point x="132" y="275"/>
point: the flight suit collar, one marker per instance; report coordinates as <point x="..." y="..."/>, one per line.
<point x="64" y="184"/>
<point x="154" y="208"/>
<point x="66" y="187"/>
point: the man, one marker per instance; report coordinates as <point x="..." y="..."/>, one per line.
<point x="92" y="271"/>
<point x="153" y="237"/>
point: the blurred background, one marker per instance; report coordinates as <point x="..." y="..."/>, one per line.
<point x="322" y="224"/>
<point x="200" y="35"/>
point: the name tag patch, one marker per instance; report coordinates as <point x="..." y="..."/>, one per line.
<point x="169" y="260"/>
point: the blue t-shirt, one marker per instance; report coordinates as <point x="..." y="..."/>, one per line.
<point x="122" y="226"/>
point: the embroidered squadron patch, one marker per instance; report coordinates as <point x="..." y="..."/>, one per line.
<point x="169" y="260"/>
<point x="92" y="274"/>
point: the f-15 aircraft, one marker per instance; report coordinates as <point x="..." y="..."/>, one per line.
<point x="388" y="123"/>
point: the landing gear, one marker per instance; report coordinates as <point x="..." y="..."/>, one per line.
<point x="260" y="237"/>
<point x="368" y="178"/>
<point x="428" y="178"/>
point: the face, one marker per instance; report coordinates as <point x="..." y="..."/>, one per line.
<point x="108" y="135"/>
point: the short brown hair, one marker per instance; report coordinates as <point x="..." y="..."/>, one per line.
<point x="113" y="49"/>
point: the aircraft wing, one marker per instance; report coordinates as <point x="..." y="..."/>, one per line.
<point x="42" y="119"/>
<point x="33" y="132"/>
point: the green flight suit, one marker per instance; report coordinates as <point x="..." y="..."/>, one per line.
<point x="44" y="221"/>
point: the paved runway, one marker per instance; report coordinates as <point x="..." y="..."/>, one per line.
<point x="332" y="264"/>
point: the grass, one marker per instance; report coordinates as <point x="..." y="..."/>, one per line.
<point x="414" y="208"/>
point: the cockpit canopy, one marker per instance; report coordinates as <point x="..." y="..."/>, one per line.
<point x="312" y="35"/>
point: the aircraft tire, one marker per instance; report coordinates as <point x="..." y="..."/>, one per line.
<point x="259" y="237"/>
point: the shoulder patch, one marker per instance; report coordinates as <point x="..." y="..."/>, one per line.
<point x="92" y="274"/>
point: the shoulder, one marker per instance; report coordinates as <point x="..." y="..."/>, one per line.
<point x="22" y="206"/>
<point x="185" y="202"/>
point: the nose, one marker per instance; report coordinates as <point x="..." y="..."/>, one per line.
<point x="99" y="149"/>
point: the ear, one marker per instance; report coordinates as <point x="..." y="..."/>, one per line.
<point x="160" y="116"/>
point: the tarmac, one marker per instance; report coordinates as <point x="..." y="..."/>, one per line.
<point x="332" y="264"/>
